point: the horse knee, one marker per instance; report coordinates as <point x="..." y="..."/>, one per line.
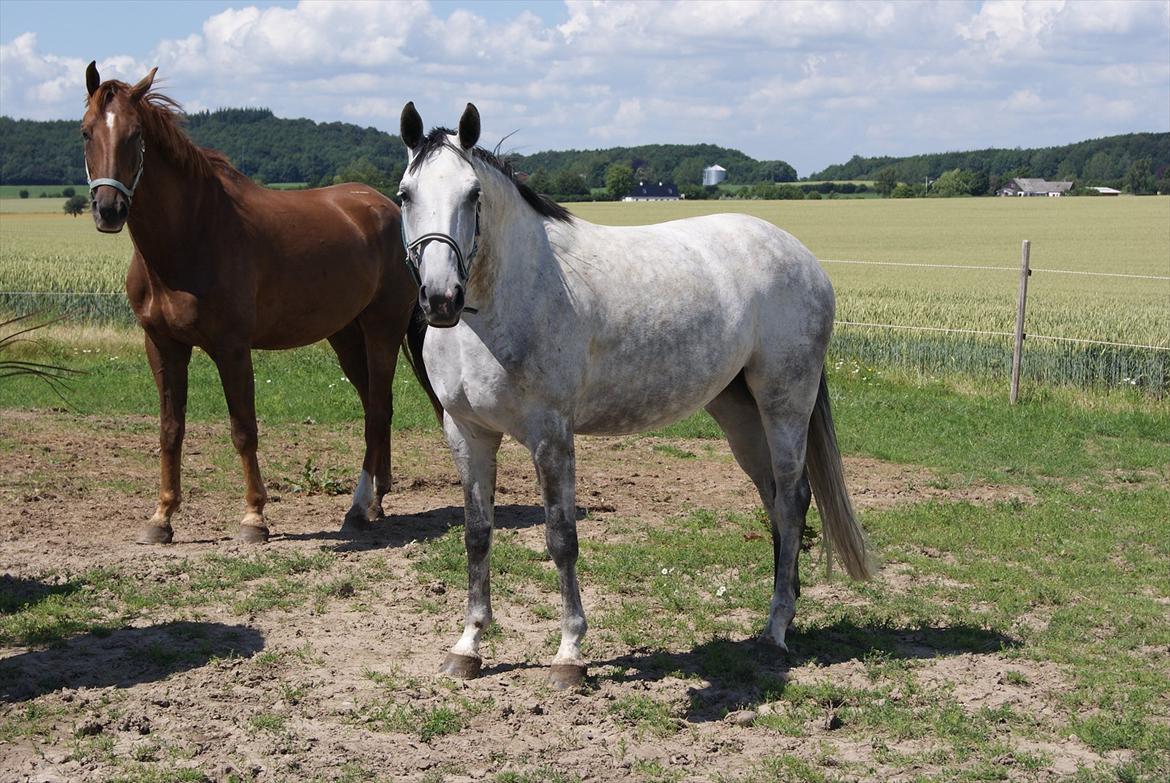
<point x="561" y="540"/>
<point x="477" y="539"/>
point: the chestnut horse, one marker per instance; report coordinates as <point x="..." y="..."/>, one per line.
<point x="223" y="264"/>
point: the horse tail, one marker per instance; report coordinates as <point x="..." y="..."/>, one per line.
<point x="826" y="474"/>
<point x="416" y="332"/>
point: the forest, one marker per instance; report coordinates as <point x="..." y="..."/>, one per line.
<point x="272" y="149"/>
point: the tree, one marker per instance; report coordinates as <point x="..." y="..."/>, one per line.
<point x="568" y="183"/>
<point x="775" y="171"/>
<point x="689" y="171"/>
<point x="1139" y="180"/>
<point x="885" y="181"/>
<point x="361" y="170"/>
<point x="24" y="193"/>
<point x="1100" y="168"/>
<point x="539" y="181"/>
<point x="75" y="205"/>
<point x="68" y="192"/>
<point x="619" y="180"/>
<point x="957" y="182"/>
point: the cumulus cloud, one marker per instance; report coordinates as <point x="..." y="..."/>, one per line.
<point x="809" y="82"/>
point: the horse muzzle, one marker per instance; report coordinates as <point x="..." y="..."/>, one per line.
<point x="110" y="209"/>
<point x="442" y="310"/>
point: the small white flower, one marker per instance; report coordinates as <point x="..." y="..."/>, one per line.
<point x="719" y="593"/>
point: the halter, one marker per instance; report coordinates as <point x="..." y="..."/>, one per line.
<point x="128" y="192"/>
<point x="414" y="250"/>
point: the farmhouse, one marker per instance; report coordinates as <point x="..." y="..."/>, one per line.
<point x="1034" y="187"/>
<point x="650" y="192"/>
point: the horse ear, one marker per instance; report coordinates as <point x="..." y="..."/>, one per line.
<point x="140" y="89"/>
<point x="411" y="126"/>
<point x="469" y="127"/>
<point x="92" y="80"/>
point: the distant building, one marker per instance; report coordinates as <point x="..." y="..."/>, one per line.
<point x="1034" y="187"/>
<point x="643" y="191"/>
<point x="713" y="175"/>
<point x="1107" y="191"/>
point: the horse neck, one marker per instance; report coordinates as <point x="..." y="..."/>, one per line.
<point x="513" y="246"/>
<point x="169" y="211"/>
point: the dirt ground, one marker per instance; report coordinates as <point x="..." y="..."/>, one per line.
<point x="73" y="490"/>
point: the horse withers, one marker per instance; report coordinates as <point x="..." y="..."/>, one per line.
<point x="227" y="266"/>
<point x="555" y="326"/>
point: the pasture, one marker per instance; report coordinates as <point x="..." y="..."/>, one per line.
<point x="1018" y="629"/>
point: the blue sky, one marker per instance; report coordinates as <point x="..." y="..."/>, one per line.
<point x="808" y="82"/>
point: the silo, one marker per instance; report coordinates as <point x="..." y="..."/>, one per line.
<point x="713" y="175"/>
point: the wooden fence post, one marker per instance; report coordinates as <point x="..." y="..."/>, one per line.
<point x="1018" y="351"/>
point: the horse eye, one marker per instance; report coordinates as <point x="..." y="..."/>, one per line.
<point x="85" y="134"/>
<point x="473" y="196"/>
<point x="403" y="196"/>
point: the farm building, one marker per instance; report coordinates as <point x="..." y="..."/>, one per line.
<point x="713" y="175"/>
<point x="1107" y="191"/>
<point x="1034" y="187"/>
<point x="650" y="192"/>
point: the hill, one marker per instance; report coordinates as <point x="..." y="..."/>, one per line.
<point x="274" y="149"/>
<point x="1096" y="161"/>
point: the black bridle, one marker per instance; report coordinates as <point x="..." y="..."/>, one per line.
<point x="414" y="250"/>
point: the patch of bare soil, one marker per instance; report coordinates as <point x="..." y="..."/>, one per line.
<point x="303" y="692"/>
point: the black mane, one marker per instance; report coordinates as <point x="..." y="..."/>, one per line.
<point x="440" y="137"/>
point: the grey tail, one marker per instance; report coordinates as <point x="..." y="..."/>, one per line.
<point x="416" y="332"/>
<point x="842" y="533"/>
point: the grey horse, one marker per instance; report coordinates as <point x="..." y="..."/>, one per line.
<point x="551" y="326"/>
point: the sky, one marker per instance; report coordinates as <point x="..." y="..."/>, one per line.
<point x="812" y="83"/>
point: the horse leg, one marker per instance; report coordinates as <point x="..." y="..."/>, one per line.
<point x="235" y="373"/>
<point x="168" y="363"/>
<point x="736" y="413"/>
<point x="474" y="451"/>
<point x="349" y="345"/>
<point x="382" y="360"/>
<point x="786" y="427"/>
<point x="553" y="455"/>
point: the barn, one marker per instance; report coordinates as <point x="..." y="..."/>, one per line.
<point x="1023" y="186"/>
<point x="648" y="191"/>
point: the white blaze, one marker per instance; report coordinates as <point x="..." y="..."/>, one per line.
<point x="110" y="118"/>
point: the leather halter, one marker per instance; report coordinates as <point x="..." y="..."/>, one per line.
<point x="128" y="192"/>
<point x="414" y="249"/>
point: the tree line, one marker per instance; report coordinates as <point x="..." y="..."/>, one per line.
<point x="272" y="149"/>
<point x="1138" y="162"/>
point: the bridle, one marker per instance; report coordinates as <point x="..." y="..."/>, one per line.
<point x="414" y="250"/>
<point x="128" y="192"/>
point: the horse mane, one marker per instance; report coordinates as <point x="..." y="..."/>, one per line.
<point x="162" y="122"/>
<point x="440" y="137"/>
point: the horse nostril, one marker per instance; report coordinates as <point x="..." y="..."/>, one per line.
<point x="457" y="300"/>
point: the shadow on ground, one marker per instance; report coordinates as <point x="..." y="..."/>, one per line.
<point x="742" y="674"/>
<point x="123" y="658"/>
<point x="395" y="530"/>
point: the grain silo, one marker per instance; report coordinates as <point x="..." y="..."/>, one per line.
<point x="713" y="175"/>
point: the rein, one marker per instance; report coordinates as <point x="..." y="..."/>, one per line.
<point x="128" y="192"/>
<point x="414" y="250"/>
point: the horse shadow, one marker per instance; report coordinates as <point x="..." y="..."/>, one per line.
<point x="745" y="673"/>
<point x="123" y="657"/>
<point x="396" y="530"/>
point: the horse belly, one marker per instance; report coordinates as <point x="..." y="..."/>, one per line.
<point x="651" y="395"/>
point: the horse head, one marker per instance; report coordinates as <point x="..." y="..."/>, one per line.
<point x="440" y="195"/>
<point x="114" y="146"/>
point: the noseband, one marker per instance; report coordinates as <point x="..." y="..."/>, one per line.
<point x="128" y="192"/>
<point x="414" y="250"/>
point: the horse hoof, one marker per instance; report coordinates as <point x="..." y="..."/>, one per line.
<point x="155" y="534"/>
<point x="252" y="534"/>
<point x="464" y="667"/>
<point x="356" y="521"/>
<point x="769" y="641"/>
<point x="564" y="676"/>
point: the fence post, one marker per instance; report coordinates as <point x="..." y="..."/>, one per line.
<point x="1018" y="351"/>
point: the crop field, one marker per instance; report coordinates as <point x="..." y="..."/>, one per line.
<point x="43" y="250"/>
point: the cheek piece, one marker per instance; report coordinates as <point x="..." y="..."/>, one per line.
<point x="414" y="250"/>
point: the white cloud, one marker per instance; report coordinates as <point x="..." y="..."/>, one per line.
<point x="809" y="82"/>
